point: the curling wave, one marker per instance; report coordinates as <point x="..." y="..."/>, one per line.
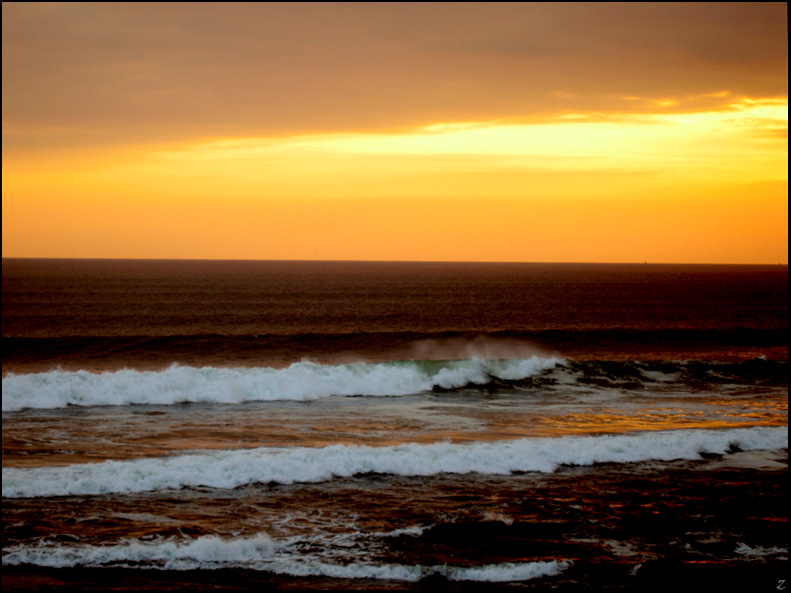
<point x="300" y="381"/>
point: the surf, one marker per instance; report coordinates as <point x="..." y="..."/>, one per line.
<point x="230" y="469"/>
<point x="259" y="552"/>
<point x="302" y="381"/>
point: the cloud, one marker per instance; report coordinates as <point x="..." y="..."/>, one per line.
<point x="160" y="72"/>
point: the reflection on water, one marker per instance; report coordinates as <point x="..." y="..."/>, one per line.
<point x="84" y="435"/>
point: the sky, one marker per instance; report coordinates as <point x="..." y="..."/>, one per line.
<point x="539" y="132"/>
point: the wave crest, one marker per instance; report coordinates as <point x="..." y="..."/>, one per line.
<point x="258" y="552"/>
<point x="234" y="468"/>
<point x="300" y="381"/>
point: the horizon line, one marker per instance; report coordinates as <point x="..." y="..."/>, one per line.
<point x="384" y="261"/>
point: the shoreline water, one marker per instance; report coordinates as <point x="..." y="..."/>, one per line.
<point x="619" y="526"/>
<point x="394" y="427"/>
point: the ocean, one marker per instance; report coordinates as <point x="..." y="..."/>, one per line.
<point x="277" y="425"/>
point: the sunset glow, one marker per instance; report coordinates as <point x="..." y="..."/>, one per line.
<point x="696" y="177"/>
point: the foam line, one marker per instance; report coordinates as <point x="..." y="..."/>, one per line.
<point x="258" y="552"/>
<point x="232" y="468"/>
<point x="300" y="381"/>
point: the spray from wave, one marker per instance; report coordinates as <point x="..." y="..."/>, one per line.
<point x="300" y="382"/>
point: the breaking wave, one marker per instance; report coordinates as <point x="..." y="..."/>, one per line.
<point x="258" y="552"/>
<point x="300" y="381"/>
<point x="233" y="468"/>
<point x="305" y="381"/>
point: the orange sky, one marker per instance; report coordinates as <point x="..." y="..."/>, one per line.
<point x="396" y="131"/>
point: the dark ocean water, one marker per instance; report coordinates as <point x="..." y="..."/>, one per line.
<point x="312" y="425"/>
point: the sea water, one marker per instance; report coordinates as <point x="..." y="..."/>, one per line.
<point x="391" y="425"/>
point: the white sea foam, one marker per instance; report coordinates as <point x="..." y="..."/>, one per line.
<point x="258" y="552"/>
<point x="760" y="551"/>
<point x="232" y="468"/>
<point x="204" y="551"/>
<point x="201" y="552"/>
<point x="492" y="573"/>
<point x="300" y="381"/>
